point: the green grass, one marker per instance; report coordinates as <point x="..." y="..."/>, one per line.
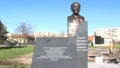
<point x="9" y="53"/>
<point x="15" y="66"/>
<point x="117" y="46"/>
<point x="101" y="46"/>
<point x="92" y="46"/>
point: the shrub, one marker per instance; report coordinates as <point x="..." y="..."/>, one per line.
<point x="9" y="44"/>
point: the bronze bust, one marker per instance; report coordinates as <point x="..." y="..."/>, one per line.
<point x="75" y="19"/>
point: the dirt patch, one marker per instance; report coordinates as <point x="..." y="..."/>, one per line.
<point x="25" y="59"/>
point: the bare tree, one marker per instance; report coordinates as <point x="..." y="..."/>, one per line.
<point x="24" y="28"/>
<point x="62" y="33"/>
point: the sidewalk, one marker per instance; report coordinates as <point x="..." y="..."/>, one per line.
<point x="103" y="65"/>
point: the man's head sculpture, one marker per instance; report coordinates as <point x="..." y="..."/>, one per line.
<point x="75" y="8"/>
<point x="75" y="19"/>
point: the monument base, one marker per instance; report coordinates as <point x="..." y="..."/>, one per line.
<point x="70" y="52"/>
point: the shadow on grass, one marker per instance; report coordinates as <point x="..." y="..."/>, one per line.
<point x="8" y="64"/>
<point x="12" y="47"/>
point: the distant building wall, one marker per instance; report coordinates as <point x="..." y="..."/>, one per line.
<point x="108" y="33"/>
<point x="49" y="34"/>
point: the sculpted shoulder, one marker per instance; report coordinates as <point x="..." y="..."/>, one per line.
<point x="82" y="17"/>
<point x="72" y="17"/>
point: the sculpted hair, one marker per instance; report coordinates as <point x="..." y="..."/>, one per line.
<point x="75" y="3"/>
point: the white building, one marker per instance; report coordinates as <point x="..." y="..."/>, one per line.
<point x="108" y="33"/>
<point x="49" y="34"/>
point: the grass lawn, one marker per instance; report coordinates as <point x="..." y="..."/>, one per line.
<point x="15" y="66"/>
<point x="103" y="46"/>
<point x="9" y="53"/>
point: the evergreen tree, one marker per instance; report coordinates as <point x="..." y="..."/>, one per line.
<point x="3" y="33"/>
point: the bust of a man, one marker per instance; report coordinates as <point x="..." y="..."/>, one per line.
<point x="75" y="19"/>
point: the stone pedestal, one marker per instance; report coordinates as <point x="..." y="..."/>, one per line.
<point x="70" y="52"/>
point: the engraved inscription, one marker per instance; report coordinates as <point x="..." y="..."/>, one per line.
<point x="81" y="43"/>
<point x="54" y="53"/>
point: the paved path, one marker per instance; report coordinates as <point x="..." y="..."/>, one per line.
<point x="104" y="65"/>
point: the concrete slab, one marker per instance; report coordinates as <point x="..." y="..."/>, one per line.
<point x="103" y="65"/>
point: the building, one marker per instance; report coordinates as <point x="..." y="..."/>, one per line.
<point x="48" y="34"/>
<point x="22" y="39"/>
<point x="108" y="34"/>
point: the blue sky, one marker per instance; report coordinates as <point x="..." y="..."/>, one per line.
<point x="51" y="15"/>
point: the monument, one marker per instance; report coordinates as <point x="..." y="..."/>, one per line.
<point x="64" y="52"/>
<point x="75" y="19"/>
<point x="77" y="35"/>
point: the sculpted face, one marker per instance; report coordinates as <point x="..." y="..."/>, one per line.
<point x="75" y="7"/>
